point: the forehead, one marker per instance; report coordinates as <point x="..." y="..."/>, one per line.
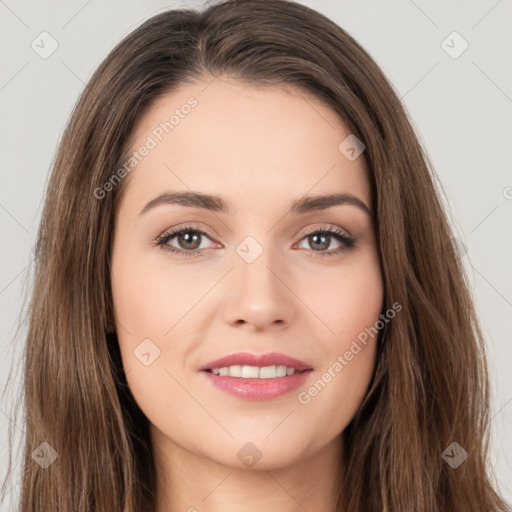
<point x="246" y="143"/>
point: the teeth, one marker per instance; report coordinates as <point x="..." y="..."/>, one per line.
<point x="268" y="372"/>
<point x="281" y="371"/>
<point x="254" y="372"/>
<point x="248" y="372"/>
<point x="235" y="371"/>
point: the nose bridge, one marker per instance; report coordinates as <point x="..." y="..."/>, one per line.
<point x="258" y="294"/>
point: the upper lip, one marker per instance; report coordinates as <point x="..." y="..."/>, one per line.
<point x="248" y="359"/>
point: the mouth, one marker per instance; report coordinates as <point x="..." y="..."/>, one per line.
<point x="257" y="377"/>
<point x="255" y="372"/>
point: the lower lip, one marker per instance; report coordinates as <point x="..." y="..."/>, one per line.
<point x="258" y="389"/>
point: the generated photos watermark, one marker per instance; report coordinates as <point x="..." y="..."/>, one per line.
<point x="305" y="397"/>
<point x="157" y="135"/>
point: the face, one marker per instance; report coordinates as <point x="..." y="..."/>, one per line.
<point x="253" y="271"/>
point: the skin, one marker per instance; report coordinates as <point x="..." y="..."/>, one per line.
<point x="260" y="149"/>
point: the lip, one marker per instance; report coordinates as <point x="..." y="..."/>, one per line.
<point x="257" y="389"/>
<point x="248" y="359"/>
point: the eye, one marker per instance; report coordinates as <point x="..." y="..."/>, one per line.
<point x="321" y="239"/>
<point x="188" y="238"/>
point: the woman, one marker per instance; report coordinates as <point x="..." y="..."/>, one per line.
<point x="246" y="293"/>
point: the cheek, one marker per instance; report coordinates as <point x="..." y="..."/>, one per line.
<point x="154" y="312"/>
<point x="336" y="393"/>
<point x="149" y="299"/>
<point x="146" y="311"/>
<point x="350" y="306"/>
<point x="347" y="299"/>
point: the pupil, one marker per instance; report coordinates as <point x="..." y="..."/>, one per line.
<point x="188" y="239"/>
<point x="325" y="244"/>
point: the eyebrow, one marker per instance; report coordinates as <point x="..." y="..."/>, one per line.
<point x="217" y="204"/>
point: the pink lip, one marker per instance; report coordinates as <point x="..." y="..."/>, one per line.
<point x="248" y="359"/>
<point x="257" y="389"/>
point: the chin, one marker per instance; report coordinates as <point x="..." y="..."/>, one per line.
<point x="260" y="451"/>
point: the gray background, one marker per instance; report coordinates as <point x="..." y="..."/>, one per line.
<point x="460" y="107"/>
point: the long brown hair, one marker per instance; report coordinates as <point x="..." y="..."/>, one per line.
<point x="430" y="386"/>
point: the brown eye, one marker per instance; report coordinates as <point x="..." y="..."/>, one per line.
<point x="188" y="241"/>
<point x="320" y="240"/>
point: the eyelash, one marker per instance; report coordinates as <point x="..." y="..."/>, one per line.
<point x="347" y="241"/>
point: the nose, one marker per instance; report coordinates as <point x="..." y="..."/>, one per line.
<point x="259" y="294"/>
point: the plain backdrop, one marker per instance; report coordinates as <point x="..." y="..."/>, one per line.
<point x="456" y="88"/>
